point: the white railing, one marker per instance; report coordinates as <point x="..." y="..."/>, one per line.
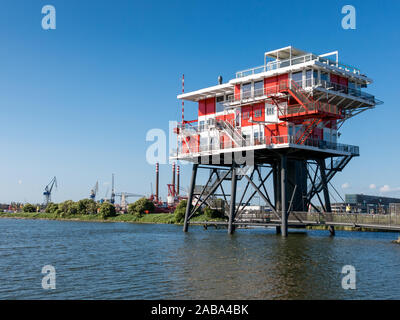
<point x="278" y="64"/>
<point x="195" y="147"/>
<point x="260" y="93"/>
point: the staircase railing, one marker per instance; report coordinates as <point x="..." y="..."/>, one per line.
<point x="232" y="133"/>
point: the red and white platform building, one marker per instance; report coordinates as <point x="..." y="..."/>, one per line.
<point x="285" y="114"/>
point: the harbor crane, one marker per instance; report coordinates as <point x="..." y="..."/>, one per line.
<point x="112" y="199"/>
<point x="125" y="195"/>
<point x="48" y="189"/>
<point x="94" y="191"/>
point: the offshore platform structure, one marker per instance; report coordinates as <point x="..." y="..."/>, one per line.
<point x="275" y="125"/>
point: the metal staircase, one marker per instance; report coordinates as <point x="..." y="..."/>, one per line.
<point x="231" y="132"/>
<point x="308" y="130"/>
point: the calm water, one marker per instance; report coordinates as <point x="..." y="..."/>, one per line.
<point x="128" y="261"/>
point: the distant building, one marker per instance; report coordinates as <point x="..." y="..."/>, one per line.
<point x="394" y="208"/>
<point x="370" y="204"/>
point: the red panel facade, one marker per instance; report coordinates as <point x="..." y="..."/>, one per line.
<point x="202" y="108"/>
<point x="343" y="81"/>
<point x="271" y="83"/>
<point x="256" y="111"/>
<point x="210" y="106"/>
<point x="227" y="117"/>
<point x="237" y="91"/>
<point x="334" y="78"/>
<point x="206" y="106"/>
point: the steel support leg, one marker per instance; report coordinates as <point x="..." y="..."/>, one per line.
<point x="327" y="199"/>
<point x="232" y="208"/>
<point x="284" y="216"/>
<point x="190" y="197"/>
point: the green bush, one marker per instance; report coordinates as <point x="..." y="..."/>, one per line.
<point x="132" y="210"/>
<point x="180" y="211"/>
<point x="51" y="208"/>
<point x="107" y="210"/>
<point x="212" y="213"/>
<point x="87" y="206"/>
<point x="141" y="206"/>
<point x="29" y="208"/>
<point x="68" y="207"/>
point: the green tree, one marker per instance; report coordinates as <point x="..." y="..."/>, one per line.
<point x="68" y="207"/>
<point x="132" y="210"/>
<point x="29" y="208"/>
<point x="107" y="210"/>
<point x="51" y="207"/>
<point x="212" y="213"/>
<point x="141" y="206"/>
<point x="180" y="211"/>
<point x="87" y="206"/>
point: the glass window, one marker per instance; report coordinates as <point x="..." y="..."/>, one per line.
<point x="270" y="111"/>
<point x="201" y="125"/>
<point x="308" y="78"/>
<point x="203" y="143"/>
<point x="257" y="113"/>
<point x="219" y="107"/>
<point x="259" y="88"/>
<point x="246" y="115"/>
<point x="246" y="90"/>
<point x="298" y="78"/>
<point x="324" y="77"/>
<point x="315" y="77"/>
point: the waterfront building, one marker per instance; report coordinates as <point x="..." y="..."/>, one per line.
<point x="281" y="119"/>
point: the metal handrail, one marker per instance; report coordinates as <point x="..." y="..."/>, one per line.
<point x="278" y="64"/>
<point x="251" y="95"/>
<point x="269" y="141"/>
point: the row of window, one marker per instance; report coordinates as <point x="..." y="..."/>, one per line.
<point x="304" y="79"/>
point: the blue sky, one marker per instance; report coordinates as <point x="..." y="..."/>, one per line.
<point x="76" y="102"/>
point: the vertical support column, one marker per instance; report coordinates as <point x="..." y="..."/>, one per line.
<point x="277" y="190"/>
<point x="328" y="208"/>
<point x="190" y="197"/>
<point x="284" y="217"/>
<point x="232" y="208"/>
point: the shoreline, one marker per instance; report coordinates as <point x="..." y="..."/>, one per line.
<point x="153" y="218"/>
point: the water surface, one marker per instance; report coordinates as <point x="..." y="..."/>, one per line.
<point x="143" y="261"/>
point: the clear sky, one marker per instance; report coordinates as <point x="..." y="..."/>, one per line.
<point x="77" y="102"/>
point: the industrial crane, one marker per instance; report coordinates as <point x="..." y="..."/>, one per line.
<point x="112" y="200"/>
<point x="94" y="191"/>
<point x="124" y="195"/>
<point x="48" y="189"/>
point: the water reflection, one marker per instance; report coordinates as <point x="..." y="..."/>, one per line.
<point x="128" y="261"/>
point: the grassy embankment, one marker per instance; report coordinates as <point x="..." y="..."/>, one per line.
<point x="166" y="218"/>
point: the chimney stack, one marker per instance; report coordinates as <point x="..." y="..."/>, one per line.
<point x="173" y="176"/>
<point x="157" y="180"/>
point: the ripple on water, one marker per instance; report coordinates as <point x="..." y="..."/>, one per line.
<point x="128" y="261"/>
